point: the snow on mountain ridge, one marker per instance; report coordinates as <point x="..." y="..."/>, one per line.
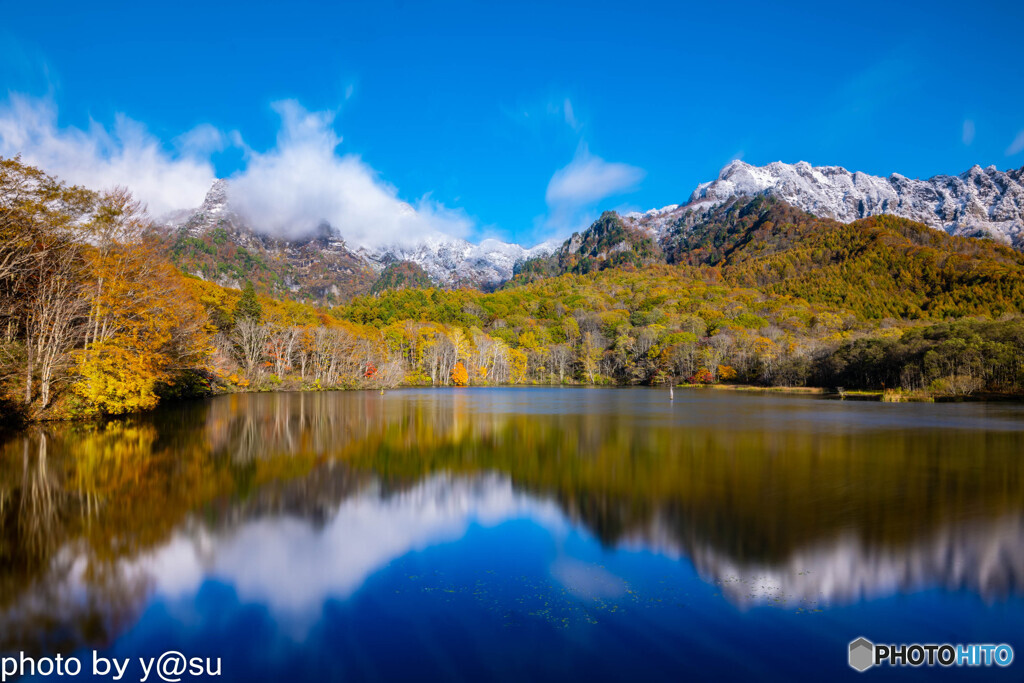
<point x="978" y="202"/>
<point x="651" y="213"/>
<point x="447" y="260"/>
<point x="451" y="261"/>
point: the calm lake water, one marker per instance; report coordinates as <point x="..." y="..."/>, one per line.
<point x="518" y="534"/>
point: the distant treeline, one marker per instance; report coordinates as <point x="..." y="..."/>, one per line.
<point x="955" y="358"/>
<point x="96" y="320"/>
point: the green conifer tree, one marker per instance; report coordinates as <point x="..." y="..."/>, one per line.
<point x="248" y="307"/>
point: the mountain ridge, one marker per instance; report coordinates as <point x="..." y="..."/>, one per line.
<point x="977" y="203"/>
<point x="764" y="243"/>
<point x="448" y="261"/>
<point x="981" y="203"/>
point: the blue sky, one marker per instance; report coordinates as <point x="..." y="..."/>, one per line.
<point x="519" y="120"/>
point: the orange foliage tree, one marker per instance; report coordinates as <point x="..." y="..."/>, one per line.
<point x="460" y="376"/>
<point x="143" y="323"/>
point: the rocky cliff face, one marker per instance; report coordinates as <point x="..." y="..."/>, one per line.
<point x="450" y="262"/>
<point x="977" y="203"/>
<point x="323" y="267"/>
<point x="453" y="262"/>
<point x="215" y="243"/>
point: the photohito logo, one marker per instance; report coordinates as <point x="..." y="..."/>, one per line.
<point x="864" y="654"/>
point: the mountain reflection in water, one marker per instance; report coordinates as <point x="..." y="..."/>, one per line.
<point x="298" y="499"/>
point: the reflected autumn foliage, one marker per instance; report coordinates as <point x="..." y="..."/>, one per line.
<point x="825" y="499"/>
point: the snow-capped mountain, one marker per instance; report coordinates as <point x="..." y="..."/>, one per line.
<point x="322" y="266"/>
<point x="449" y="261"/>
<point x="215" y="243"/>
<point x="452" y="261"/>
<point x="980" y="202"/>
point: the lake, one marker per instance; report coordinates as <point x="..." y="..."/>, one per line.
<point x="517" y="534"/>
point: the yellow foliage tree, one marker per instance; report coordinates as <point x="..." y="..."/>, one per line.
<point x="144" y="323"/>
<point x="517" y="365"/>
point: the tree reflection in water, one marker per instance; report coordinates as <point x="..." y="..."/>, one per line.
<point x="819" y="500"/>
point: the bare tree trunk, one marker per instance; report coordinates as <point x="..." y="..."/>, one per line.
<point x="53" y="319"/>
<point x="250" y="339"/>
<point x="28" y="374"/>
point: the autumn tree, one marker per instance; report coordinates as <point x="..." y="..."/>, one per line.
<point x="143" y="326"/>
<point x="248" y="307"/>
<point x="460" y="376"/>
<point x="281" y="341"/>
<point x="250" y="340"/>
<point x="54" y="313"/>
<point x="41" y="272"/>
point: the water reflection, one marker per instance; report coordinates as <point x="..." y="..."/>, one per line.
<point x="365" y="532"/>
<point x="773" y="499"/>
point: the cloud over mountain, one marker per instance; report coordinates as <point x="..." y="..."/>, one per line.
<point x="127" y="154"/>
<point x="303" y="181"/>
<point x="586" y="180"/>
<point x="286" y="191"/>
<point x="589" y="179"/>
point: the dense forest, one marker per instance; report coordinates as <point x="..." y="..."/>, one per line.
<point x="97" y="319"/>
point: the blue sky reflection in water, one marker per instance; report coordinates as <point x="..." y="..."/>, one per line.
<point x="525" y="533"/>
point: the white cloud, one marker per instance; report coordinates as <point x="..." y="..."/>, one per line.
<point x="575" y="190"/>
<point x="968" y="132"/>
<point x="100" y="159"/>
<point x="589" y="179"/>
<point x="287" y="191"/>
<point x="1017" y="145"/>
<point x="202" y="141"/>
<point x="303" y="181"/>
<point x="365" y="534"/>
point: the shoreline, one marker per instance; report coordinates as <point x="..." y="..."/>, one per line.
<point x="756" y="388"/>
<point x="877" y="395"/>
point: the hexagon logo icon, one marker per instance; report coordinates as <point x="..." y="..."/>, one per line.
<point x="862" y="654"/>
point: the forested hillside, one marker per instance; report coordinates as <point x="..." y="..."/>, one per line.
<point x="96" y="320"/>
<point x="401" y="275"/>
<point x="875" y="267"/>
<point x="608" y="243"/>
<point x="317" y="269"/>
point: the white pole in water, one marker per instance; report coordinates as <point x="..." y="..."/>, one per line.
<point x="671" y="393"/>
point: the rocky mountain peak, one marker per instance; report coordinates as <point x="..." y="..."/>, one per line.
<point x="981" y="202"/>
<point x="449" y="261"/>
<point x="217" y="196"/>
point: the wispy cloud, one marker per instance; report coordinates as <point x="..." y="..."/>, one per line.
<point x="304" y="180"/>
<point x="100" y="158"/>
<point x="570" y="115"/>
<point x="555" y="113"/>
<point x="1017" y="146"/>
<point x="201" y="141"/>
<point x="575" y="189"/>
<point x="968" y="132"/>
<point x="588" y="179"/>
